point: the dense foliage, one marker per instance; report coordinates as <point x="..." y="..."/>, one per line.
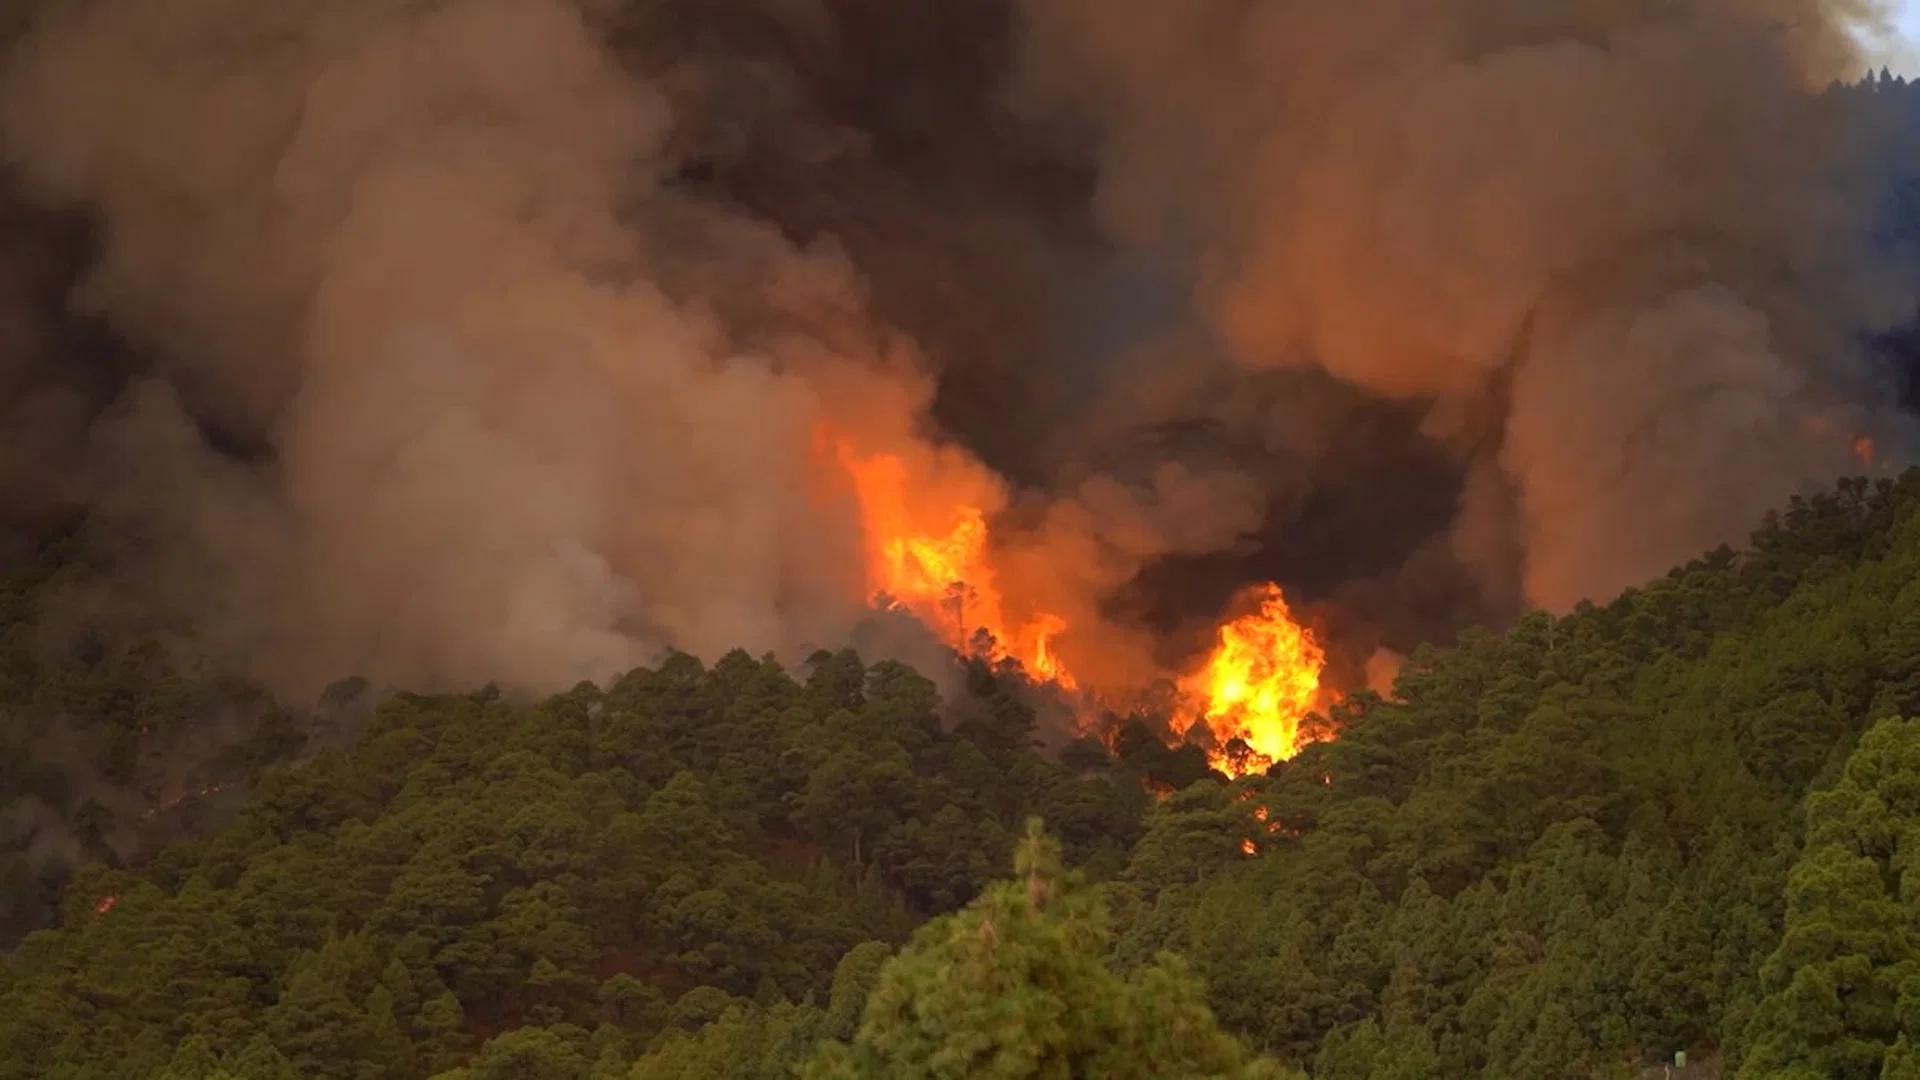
<point x="113" y="737"/>
<point x="1018" y="986"/>
<point x="1686" y="820"/>
<point x="631" y="863"/>
<point x="1568" y="847"/>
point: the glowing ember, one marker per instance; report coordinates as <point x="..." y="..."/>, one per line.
<point x="198" y="793"/>
<point x="1248" y="847"/>
<point x="105" y="904"/>
<point x="1822" y="426"/>
<point x="936" y="566"/>
<point x="1261" y="680"/>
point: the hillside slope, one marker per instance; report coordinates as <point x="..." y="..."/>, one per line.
<point x="1560" y="851"/>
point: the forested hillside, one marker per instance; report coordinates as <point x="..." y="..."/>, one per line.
<point x="116" y="735"/>
<point x="1686" y="820"/>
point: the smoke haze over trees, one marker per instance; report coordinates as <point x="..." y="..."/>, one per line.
<point x="355" y="357"/>
<point x="455" y="341"/>
<point x="1682" y="820"/>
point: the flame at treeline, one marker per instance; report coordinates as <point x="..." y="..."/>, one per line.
<point x="1824" y="426"/>
<point x="1259" y="682"/>
<point x="936" y="566"/>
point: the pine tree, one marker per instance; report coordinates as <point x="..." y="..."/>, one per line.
<point x="1017" y="985"/>
<point x="1837" y="994"/>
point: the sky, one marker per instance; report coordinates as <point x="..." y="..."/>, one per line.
<point x="1904" y="56"/>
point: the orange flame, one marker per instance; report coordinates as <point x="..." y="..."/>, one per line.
<point x="930" y="556"/>
<point x="1821" y="426"/>
<point x="937" y="568"/>
<point x="1260" y="681"/>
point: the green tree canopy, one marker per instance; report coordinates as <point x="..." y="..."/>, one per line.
<point x="1843" y="988"/>
<point x="1018" y="986"/>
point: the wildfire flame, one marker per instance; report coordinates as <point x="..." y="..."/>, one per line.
<point x="939" y="569"/>
<point x="1260" y="681"/>
<point x="933" y="559"/>
<point x="1822" y="426"/>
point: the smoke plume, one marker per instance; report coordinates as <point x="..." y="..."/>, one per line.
<point x="532" y="417"/>
<point x="1618" y="218"/>
<point x="456" y="341"/>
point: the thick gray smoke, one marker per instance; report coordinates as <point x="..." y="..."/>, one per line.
<point x="533" y="418"/>
<point x="539" y="321"/>
<point x="1617" y="217"/>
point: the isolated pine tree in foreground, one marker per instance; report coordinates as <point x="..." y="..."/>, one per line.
<point x="1017" y="986"/>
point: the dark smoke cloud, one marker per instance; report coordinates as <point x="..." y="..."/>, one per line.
<point x="1618" y="217"/>
<point x="533" y="417"/>
<point x="487" y="340"/>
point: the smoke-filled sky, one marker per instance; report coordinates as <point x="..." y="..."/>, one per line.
<point x="1902" y="46"/>
<point x="447" y="341"/>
